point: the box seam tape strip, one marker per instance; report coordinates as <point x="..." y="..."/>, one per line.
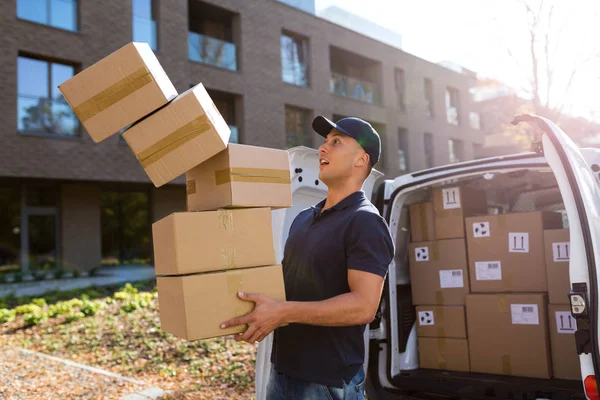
<point x="435" y="249"/>
<point x="173" y="141"/>
<point x="234" y="285"/>
<point x="190" y="187"/>
<point x="225" y="219"/>
<point x="255" y="175"/>
<point x="441" y="353"/>
<point x="423" y="222"/>
<point x="440" y="317"/>
<point x="502" y="306"/>
<point x="228" y="258"/>
<point x="113" y="94"/>
<point x="506" y="365"/>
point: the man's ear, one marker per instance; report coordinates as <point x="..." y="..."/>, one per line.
<point x="362" y="160"/>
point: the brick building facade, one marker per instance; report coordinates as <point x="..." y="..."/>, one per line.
<point x="270" y="69"/>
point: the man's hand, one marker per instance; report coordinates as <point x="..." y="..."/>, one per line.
<point x="264" y="319"/>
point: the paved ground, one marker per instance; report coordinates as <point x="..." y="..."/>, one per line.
<point x="107" y="276"/>
<point x="30" y="375"/>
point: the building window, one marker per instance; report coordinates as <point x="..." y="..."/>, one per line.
<point x="475" y="120"/>
<point x="10" y="229"/>
<point x="452" y="106"/>
<point x="296" y="127"/>
<point x="41" y="106"/>
<point x="455" y="150"/>
<point x="294" y="59"/>
<point x="145" y="22"/>
<point x="400" y="81"/>
<point x="429" y="99"/>
<point x="428" y="144"/>
<point x="56" y="13"/>
<point x="403" y="149"/>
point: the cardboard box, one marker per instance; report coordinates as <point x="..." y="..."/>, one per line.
<point x="508" y="334"/>
<point x="452" y="205"/>
<point x="241" y="176"/>
<point x="176" y="138"/>
<point x="440" y="321"/>
<point x="438" y="272"/>
<point x="422" y="222"/>
<point x="192" y="242"/>
<point x="443" y="353"/>
<point x="565" y="360"/>
<point x="506" y="252"/>
<point x="118" y="90"/>
<point x="192" y="307"/>
<point x="558" y="251"/>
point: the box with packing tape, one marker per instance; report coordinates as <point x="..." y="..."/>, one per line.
<point x="452" y="205"/>
<point x="241" y="176"/>
<point x="565" y="360"/>
<point x="192" y="307"/>
<point x="438" y="272"/>
<point x="178" y="137"/>
<point x="506" y="252"/>
<point x="442" y="338"/>
<point x="422" y="222"/>
<point x="508" y="334"/>
<point x="193" y="242"/>
<point x="558" y="254"/>
<point x="118" y="90"/>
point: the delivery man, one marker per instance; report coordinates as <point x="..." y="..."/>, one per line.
<point x="334" y="264"/>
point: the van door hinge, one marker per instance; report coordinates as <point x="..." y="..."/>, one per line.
<point x="580" y="311"/>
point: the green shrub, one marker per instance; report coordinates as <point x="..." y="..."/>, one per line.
<point x="27" y="309"/>
<point x="75" y="316"/>
<point x="75" y="303"/>
<point x="90" y="307"/>
<point x="137" y="302"/>
<point x="35" y="318"/>
<point x="59" y="308"/>
<point x="6" y="315"/>
<point x="39" y="302"/>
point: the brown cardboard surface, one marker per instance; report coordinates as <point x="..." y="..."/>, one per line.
<point x="452" y="205"/>
<point x="565" y="361"/>
<point x="438" y="272"/>
<point x="508" y="334"/>
<point x="176" y="138"/>
<point x="422" y="222"/>
<point x="192" y="307"/>
<point x="192" y="242"/>
<point x="118" y="90"/>
<point x="508" y="253"/>
<point x="241" y="176"/>
<point x="557" y="253"/>
<point x="443" y="353"/>
<point x="441" y="321"/>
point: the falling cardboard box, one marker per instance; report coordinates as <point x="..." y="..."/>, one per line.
<point x="194" y="242"/>
<point x="181" y="135"/>
<point x="452" y="205"/>
<point x="422" y="222"/>
<point x="241" y="176"/>
<point x="118" y="90"/>
<point x="506" y="252"/>
<point x="438" y="272"/>
<point x="508" y="334"/>
<point x="565" y="360"/>
<point x="558" y="254"/>
<point x="192" y="307"/>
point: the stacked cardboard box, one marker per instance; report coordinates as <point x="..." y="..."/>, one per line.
<point x="439" y="275"/>
<point x="565" y="362"/>
<point x="223" y="244"/>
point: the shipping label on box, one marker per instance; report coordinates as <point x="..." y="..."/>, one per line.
<point x="178" y="137"/>
<point x="565" y="360"/>
<point x="438" y="272"/>
<point x="118" y="90"/>
<point x="499" y="246"/>
<point x="558" y="254"/>
<point x="452" y="205"/>
<point x="508" y="334"/>
<point x="241" y="176"/>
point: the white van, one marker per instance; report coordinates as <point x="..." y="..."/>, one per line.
<point x="556" y="170"/>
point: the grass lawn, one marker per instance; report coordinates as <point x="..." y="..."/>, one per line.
<point x="118" y="329"/>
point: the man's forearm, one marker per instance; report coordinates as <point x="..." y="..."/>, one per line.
<point x="344" y="310"/>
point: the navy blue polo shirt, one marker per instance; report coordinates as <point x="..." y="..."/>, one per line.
<point x="320" y="249"/>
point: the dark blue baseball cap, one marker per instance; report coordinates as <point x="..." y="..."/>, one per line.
<point x="359" y="129"/>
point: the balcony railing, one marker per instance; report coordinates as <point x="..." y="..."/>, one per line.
<point x="211" y="51"/>
<point x="144" y="30"/>
<point x="354" y="88"/>
<point x="44" y="115"/>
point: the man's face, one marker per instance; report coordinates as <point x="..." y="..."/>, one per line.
<point x="339" y="157"/>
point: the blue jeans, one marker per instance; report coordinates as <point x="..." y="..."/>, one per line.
<point x="281" y="387"/>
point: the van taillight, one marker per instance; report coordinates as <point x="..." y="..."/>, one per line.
<point x="591" y="388"/>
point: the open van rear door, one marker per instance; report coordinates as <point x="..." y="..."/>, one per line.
<point x="580" y="191"/>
